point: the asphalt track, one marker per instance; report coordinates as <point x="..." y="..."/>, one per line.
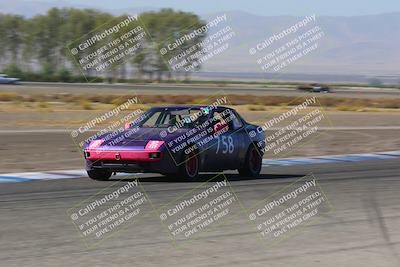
<point x="176" y="89"/>
<point x="361" y="230"/>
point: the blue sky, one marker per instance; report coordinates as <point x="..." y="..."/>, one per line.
<point x="260" y="7"/>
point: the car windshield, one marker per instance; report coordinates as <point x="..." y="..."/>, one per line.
<point x="168" y="117"/>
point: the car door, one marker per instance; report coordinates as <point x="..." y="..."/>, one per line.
<point x="241" y="137"/>
<point x="225" y="148"/>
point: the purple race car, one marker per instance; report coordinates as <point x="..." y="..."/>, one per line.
<point x="181" y="141"/>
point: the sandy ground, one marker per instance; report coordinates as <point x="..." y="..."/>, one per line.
<point x="50" y="145"/>
<point x="177" y="89"/>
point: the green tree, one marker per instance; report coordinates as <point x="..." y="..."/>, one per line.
<point x="163" y="28"/>
<point x="44" y="39"/>
<point x="12" y="37"/>
<point x="13" y="70"/>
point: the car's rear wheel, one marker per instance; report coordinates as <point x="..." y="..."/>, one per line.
<point x="189" y="170"/>
<point x="99" y="175"/>
<point x="252" y="163"/>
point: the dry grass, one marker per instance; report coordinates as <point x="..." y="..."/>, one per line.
<point x="43" y="105"/>
<point x="86" y="105"/>
<point x="5" y="96"/>
<point x="256" y="108"/>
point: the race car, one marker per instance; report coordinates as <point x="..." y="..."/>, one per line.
<point x="315" y="88"/>
<point x="179" y="141"/>
<point x="4" y="79"/>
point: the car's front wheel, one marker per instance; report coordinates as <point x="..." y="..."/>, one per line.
<point x="252" y="163"/>
<point x="189" y="170"/>
<point x="99" y="175"/>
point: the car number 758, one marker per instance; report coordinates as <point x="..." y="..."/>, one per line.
<point x="225" y="144"/>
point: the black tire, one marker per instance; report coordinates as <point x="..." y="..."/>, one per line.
<point x="189" y="169"/>
<point x="252" y="163"/>
<point x="99" y="175"/>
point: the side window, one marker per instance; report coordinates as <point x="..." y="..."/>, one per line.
<point x="237" y="123"/>
<point x="152" y="120"/>
<point x="218" y="118"/>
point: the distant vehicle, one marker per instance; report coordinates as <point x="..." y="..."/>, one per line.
<point x="4" y="79"/>
<point x="315" y="88"/>
<point x="222" y="145"/>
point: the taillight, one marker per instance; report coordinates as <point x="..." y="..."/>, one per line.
<point x="153" y="145"/>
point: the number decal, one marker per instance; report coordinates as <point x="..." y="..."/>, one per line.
<point x="231" y="146"/>
<point x="227" y="144"/>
